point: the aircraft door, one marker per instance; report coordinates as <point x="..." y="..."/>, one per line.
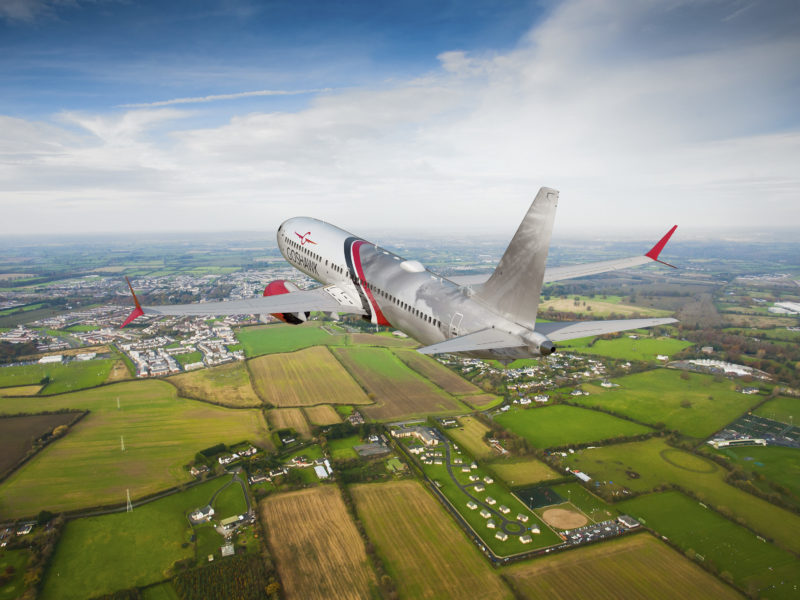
<point x="455" y="324"/>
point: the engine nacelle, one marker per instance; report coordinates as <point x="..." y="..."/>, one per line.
<point x="276" y="288"/>
<point x="539" y="344"/>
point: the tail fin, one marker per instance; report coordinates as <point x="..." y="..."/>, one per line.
<point x="514" y="287"/>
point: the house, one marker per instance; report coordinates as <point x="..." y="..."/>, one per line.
<point x="490" y="500"/>
<point x="525" y="539"/>
<point x="487" y="480"/>
<point x="321" y="472"/>
<point x="749" y="390"/>
<point x="501" y="535"/>
<point x="628" y="522"/>
<point x="504" y="509"/>
<point x="541" y="398"/>
<point x="662" y="357"/>
<point x="472" y="505"/>
<point x="473" y="477"/>
<point x="485" y="513"/>
<point x="608" y="384"/>
<point x="202" y="514"/>
<point x="424" y="434"/>
<point x="491" y="524"/>
<point x="522" y="518"/>
<point x="479" y="488"/>
<point x="535" y="529"/>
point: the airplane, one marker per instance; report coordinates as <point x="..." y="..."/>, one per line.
<point x="479" y="316"/>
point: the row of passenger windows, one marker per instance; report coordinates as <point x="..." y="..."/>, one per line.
<point x="404" y="305"/>
<point x="314" y="255"/>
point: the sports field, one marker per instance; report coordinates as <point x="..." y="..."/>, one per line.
<point x="516" y="472"/>
<point x="98" y="555"/>
<point x="424" y="551"/>
<point x="324" y="414"/>
<point x="317" y="549"/>
<point x="398" y="391"/>
<point x="75" y="375"/>
<point x="777" y="464"/>
<point x="563" y="425"/>
<point x="633" y="567"/>
<point x="753" y="564"/>
<point x="272" y="339"/>
<point x="469" y="435"/>
<point x="228" y="385"/>
<point x="624" y="348"/>
<point x="654" y="462"/>
<point x="293" y="418"/>
<point x="589" y="504"/>
<point x="87" y="467"/>
<point x="436" y="372"/>
<point x="697" y="406"/>
<point x="304" y="378"/>
<point x="17" y="435"/>
<point x="782" y="408"/>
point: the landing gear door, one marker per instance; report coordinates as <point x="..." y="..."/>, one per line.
<point x="455" y="325"/>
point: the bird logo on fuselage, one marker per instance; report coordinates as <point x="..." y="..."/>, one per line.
<point x="304" y="238"/>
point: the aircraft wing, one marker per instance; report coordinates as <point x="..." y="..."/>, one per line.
<point x="485" y="339"/>
<point x="327" y="299"/>
<point x="586" y="269"/>
<point x="570" y="330"/>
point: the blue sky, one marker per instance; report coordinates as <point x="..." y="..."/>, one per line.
<point x="130" y="116"/>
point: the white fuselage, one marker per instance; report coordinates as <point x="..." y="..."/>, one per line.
<point x="393" y="291"/>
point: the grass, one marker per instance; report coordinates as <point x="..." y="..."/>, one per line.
<point x="519" y="472"/>
<point x="424" y="551"/>
<point x="481" y="401"/>
<point x="87" y="468"/>
<point x="593" y="507"/>
<point x="753" y="564"/>
<point x="163" y="591"/>
<point x="230" y="502"/>
<point x="228" y="385"/>
<point x="324" y="414"/>
<point x="599" y="307"/>
<point x="343" y="447"/>
<point x="562" y="425"/>
<point x="189" y="358"/>
<point x="624" y="348"/>
<point x="17" y="560"/>
<point x="782" y="408"/>
<point x="304" y="378"/>
<point x="656" y="463"/>
<point x="289" y="418"/>
<point x="317" y="549"/>
<point x="633" y="567"/>
<point x="469" y="435"/>
<point x="98" y="555"/>
<point x="273" y="339"/>
<point x="75" y="375"/>
<point x="776" y="463"/>
<point x="436" y="372"/>
<point x="696" y="406"/>
<point x="382" y="339"/>
<point x="398" y="391"/>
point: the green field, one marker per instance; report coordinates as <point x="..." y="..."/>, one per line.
<point x="624" y="348"/>
<point x="189" y="358"/>
<point x="271" y="339"/>
<point x="782" y="408"/>
<point x="343" y="447"/>
<point x="87" y="467"/>
<point x="697" y="406"/>
<point x="561" y="425"/>
<point x="16" y="560"/>
<point x="229" y="503"/>
<point x="655" y="463"/>
<point x="163" y="591"/>
<point x="753" y="564"/>
<point x="592" y="506"/>
<point x="98" y="555"/>
<point x="517" y="472"/>
<point x="470" y="434"/>
<point x="75" y="375"/>
<point x="778" y="464"/>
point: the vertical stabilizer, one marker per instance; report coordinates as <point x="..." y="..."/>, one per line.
<point x="514" y="287"/>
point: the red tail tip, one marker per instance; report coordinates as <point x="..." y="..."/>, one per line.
<point x="656" y="250"/>
<point x="136" y="312"/>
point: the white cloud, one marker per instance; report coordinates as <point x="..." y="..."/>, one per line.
<point x="216" y="97"/>
<point x="642" y="114"/>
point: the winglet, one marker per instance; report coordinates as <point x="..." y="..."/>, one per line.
<point x="136" y="312"/>
<point x="656" y="250"/>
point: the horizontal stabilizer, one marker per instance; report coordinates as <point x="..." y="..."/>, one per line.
<point x="485" y="339"/>
<point x="570" y="330"/>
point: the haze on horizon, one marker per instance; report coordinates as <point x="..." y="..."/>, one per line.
<point x="231" y="116"/>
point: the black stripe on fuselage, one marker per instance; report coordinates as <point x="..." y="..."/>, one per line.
<point x="348" y="257"/>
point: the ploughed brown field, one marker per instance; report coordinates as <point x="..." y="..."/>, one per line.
<point x="316" y="546"/>
<point x="450" y="382"/>
<point x="17" y="435"/>
<point x="282" y="418"/>
<point x="324" y="414"/>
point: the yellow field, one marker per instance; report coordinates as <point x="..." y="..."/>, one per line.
<point x="228" y="385"/>
<point x="20" y="390"/>
<point x="470" y="436"/>
<point x="369" y="339"/>
<point x="119" y="372"/>
<point x="480" y="401"/>
<point x="424" y="551"/>
<point x="600" y="308"/>
<point x="324" y="414"/>
<point x="304" y="378"/>
<point x="639" y="566"/>
<point x="439" y="374"/>
<point x="523" y="472"/>
<point x="281" y="418"/>
<point x="316" y="546"/>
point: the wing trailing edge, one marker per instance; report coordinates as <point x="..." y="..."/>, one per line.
<point x="570" y="330"/>
<point x="485" y="339"/>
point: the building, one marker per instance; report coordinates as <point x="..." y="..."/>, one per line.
<point x="522" y="518"/>
<point x="504" y="509"/>
<point x="525" y="539"/>
<point x="487" y="480"/>
<point x="485" y="513"/>
<point x="424" y="434"/>
<point x="472" y="505"/>
<point x="501" y="535"/>
<point x="707" y="349"/>
<point x="491" y="524"/>
<point x="491" y="501"/>
<point x="479" y="488"/>
<point x="740" y="442"/>
<point x="202" y="514"/>
<point x="321" y="472"/>
<point x="52" y="359"/>
<point x="628" y="522"/>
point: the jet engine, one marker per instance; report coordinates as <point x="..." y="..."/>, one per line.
<point x="539" y="344"/>
<point x="275" y="288"/>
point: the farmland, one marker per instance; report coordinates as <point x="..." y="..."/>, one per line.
<point x="20" y="390"/>
<point x="782" y="408"/>
<point x="398" y="391"/>
<point x="343" y="447"/>
<point x="324" y="414"/>
<point x="423" y="549"/>
<point x="469" y="435"/>
<point x="98" y="555"/>
<point x="560" y="425"/>
<point x="599" y="308"/>
<point x="754" y="565"/>
<point x="87" y="467"/>
<point x="15" y="584"/>
<point x="481" y="401"/>
<point x="289" y="418"/>
<point x="437" y="373"/>
<point x="519" y="472"/>
<point x="657" y="463"/>
<point x="17" y="435"/>
<point x="273" y="339"/>
<point x="304" y="378"/>
<point x="633" y="567"/>
<point x="388" y="340"/>
<point x="228" y="385"/>
<point x="777" y="464"/>
<point x="625" y="348"/>
<point x="317" y="549"/>
<point x="68" y="377"/>
<point x="696" y="406"/>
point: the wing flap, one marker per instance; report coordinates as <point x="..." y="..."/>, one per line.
<point x="570" y="330"/>
<point x="485" y="339"/>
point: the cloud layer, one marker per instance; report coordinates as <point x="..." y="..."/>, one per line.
<point x="642" y="114"/>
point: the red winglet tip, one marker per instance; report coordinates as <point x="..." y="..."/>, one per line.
<point x="136" y="312"/>
<point x="656" y="250"/>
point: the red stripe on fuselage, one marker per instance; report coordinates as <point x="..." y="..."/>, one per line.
<point x="360" y="272"/>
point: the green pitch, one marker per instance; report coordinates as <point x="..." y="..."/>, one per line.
<point x="625" y="348"/>
<point x="271" y="339"/>
<point x="75" y="375"/>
